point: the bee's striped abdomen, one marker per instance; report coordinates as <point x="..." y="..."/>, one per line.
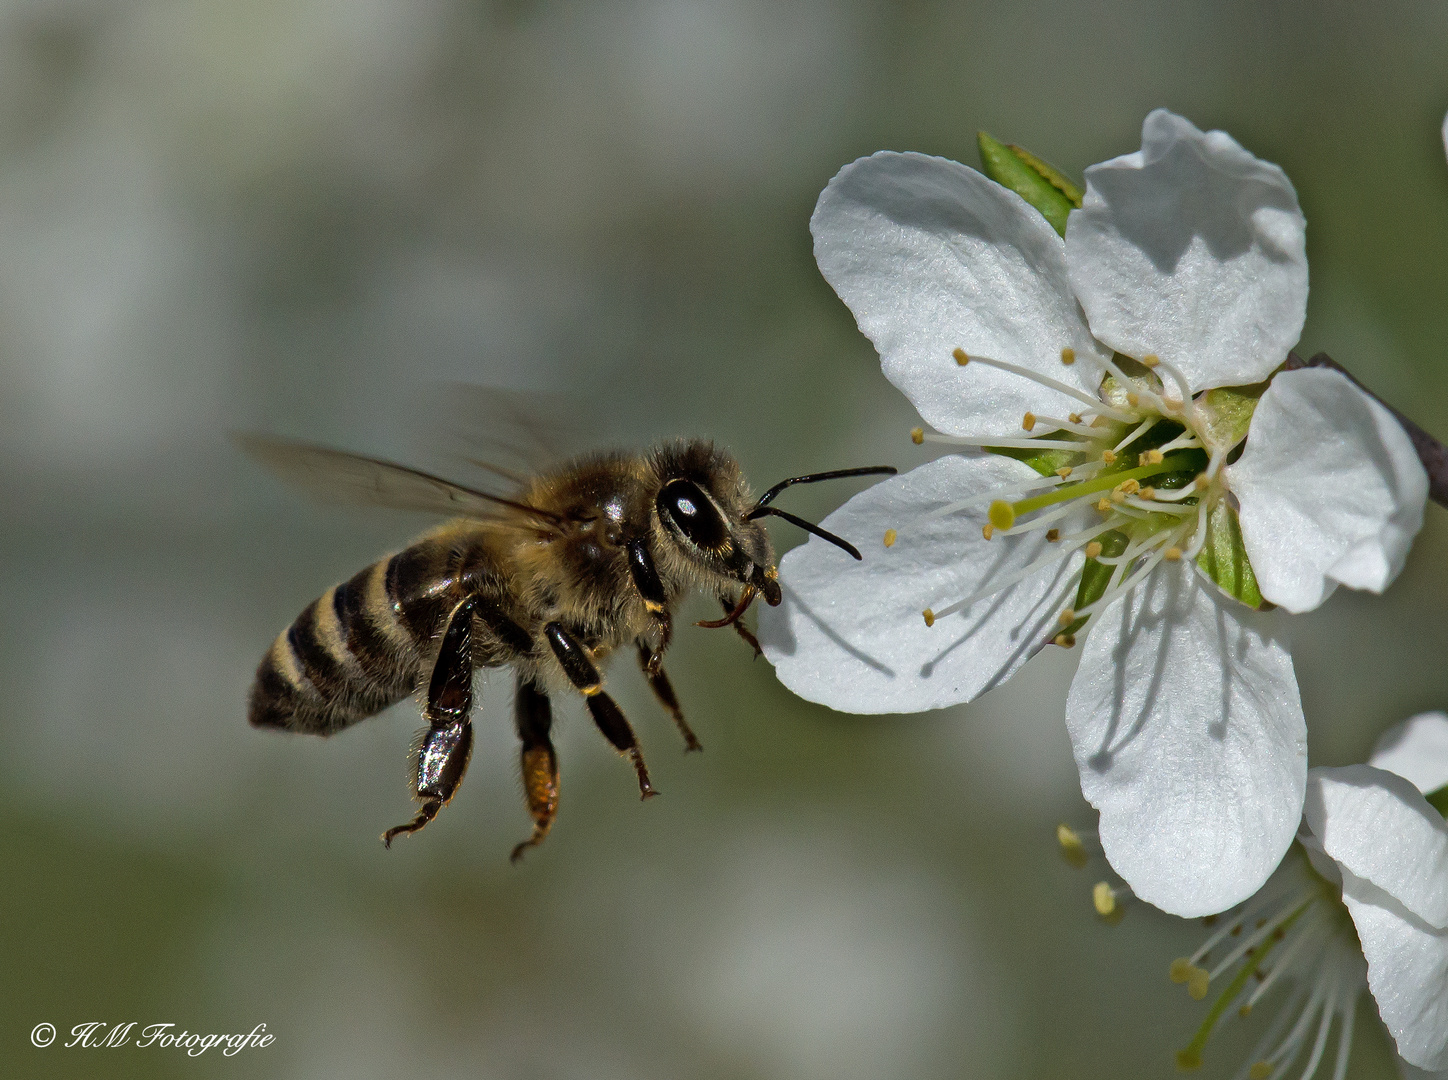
<point x="345" y="657"/>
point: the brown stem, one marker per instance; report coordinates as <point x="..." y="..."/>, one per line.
<point x="1432" y="453"/>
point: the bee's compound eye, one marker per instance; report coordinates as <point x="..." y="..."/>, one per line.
<point x="689" y="510"/>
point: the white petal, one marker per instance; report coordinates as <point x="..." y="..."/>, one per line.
<point x="850" y="634"/>
<point x="1376" y="825"/>
<point x="1331" y="490"/>
<point x="1412" y="1072"/>
<point x="1416" y="749"/>
<point x="1193" y="249"/>
<point x="1407" y="972"/>
<point x="931" y="256"/>
<point x="1189" y="735"/>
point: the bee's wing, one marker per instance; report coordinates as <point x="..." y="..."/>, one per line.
<point x="509" y="432"/>
<point x="340" y="476"/>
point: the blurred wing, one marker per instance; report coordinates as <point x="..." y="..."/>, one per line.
<point x="339" y="476"/>
<point x="507" y="433"/>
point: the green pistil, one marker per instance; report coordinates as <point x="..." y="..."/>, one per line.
<point x="1003" y="514"/>
<point x="1190" y="1056"/>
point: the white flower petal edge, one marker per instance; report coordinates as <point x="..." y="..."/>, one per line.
<point x="1194" y="250"/>
<point x="1416" y="749"/>
<point x="1189" y="735"/>
<point x="1407" y="972"/>
<point x="850" y="634"/>
<point x="1377" y="825"/>
<point x="931" y="256"/>
<point x="1344" y="513"/>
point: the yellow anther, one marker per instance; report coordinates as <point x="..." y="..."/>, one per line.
<point x="1197" y="982"/>
<point x="1104" y="505"/>
<point x="1118" y="496"/>
<point x="1052" y="535"/>
<point x="1072" y="849"/>
<point x="1066" y="641"/>
<point x="1260" y="1070"/>
<point x="929" y="617"/>
<point x="1002" y="514"/>
<point x="1154" y="457"/>
<point x="1093" y="549"/>
<point x="1028" y="421"/>
<point x="1180" y="970"/>
<point x="987" y="530"/>
<point x="1064" y="471"/>
<point x="1068" y="356"/>
<point x="1104" y="897"/>
<point x="1150" y="360"/>
<point x="890" y="536"/>
<point x="1074" y="417"/>
<point x="960" y="357"/>
<point x="1140" y="460"/>
<point x="1189" y="1060"/>
<point x="917" y="435"/>
<point x="1147" y="493"/>
<point x="1108" y="456"/>
<point x="1130" y="487"/>
<point x="1173" y="554"/>
<point x="1133" y="399"/>
<point x="1244" y="1011"/>
<point x="1067" y="617"/>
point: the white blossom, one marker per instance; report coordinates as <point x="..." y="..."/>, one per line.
<point x="1183" y="271"/>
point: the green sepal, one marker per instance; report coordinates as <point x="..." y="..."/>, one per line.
<point x="1096" y="576"/>
<point x="1438" y="800"/>
<point x="1045" y="462"/>
<point x="1224" y="559"/>
<point x="1226" y="413"/>
<point x="1052" y="175"/>
<point x="1007" y="167"/>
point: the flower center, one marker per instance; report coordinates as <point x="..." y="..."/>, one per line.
<point x="1133" y="430"/>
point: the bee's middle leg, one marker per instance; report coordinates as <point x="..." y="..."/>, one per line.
<point x="664" y="691"/>
<point x="581" y="671"/>
<point x="447" y="744"/>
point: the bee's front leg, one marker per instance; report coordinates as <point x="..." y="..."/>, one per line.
<point x="651" y="587"/>
<point x="443" y="750"/>
<point x="739" y="627"/>
<point x="664" y="691"/>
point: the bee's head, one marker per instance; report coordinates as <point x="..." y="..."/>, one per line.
<point x="703" y="509"/>
<point x="706" y="512"/>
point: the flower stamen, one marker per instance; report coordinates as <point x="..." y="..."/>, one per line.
<point x="1095" y="404"/>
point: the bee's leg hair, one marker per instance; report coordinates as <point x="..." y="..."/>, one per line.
<point x="443" y="750"/>
<point x="534" y="718"/>
<point x="664" y="691"/>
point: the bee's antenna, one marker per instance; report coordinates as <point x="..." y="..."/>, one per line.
<point x="809" y="527"/>
<point x="815" y="478"/>
<point x="762" y="507"/>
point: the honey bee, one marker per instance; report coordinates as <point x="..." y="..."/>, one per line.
<point x="549" y="578"/>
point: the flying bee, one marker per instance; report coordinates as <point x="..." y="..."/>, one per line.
<point x="549" y="578"/>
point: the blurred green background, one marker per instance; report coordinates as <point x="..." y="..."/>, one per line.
<point x="294" y="217"/>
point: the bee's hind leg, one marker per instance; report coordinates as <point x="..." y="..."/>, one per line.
<point x="534" y="717"/>
<point x="444" y="749"/>
<point x="664" y="691"/>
